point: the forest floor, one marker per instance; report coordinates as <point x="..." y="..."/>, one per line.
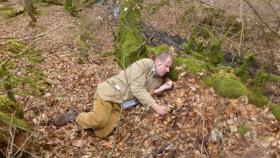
<point x="199" y="124"/>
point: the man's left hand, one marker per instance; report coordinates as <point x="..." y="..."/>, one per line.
<point x="167" y="84"/>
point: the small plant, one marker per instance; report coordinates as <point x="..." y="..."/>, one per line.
<point x="242" y="130"/>
<point x="204" y="46"/>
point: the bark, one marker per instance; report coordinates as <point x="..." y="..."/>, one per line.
<point x="129" y="43"/>
<point x="68" y="6"/>
<point x="28" y="5"/>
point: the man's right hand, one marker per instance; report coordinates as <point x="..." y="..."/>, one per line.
<point x="161" y="110"/>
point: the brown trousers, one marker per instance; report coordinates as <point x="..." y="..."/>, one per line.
<point x="103" y="118"/>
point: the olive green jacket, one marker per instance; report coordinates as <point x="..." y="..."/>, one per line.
<point x="138" y="80"/>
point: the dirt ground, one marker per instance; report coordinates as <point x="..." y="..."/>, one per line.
<point x="199" y="124"/>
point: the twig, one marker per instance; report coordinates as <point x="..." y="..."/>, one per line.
<point x="202" y="142"/>
<point x="12" y="136"/>
<point x="27" y="38"/>
<point x="242" y="27"/>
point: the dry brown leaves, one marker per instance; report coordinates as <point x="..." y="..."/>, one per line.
<point x="199" y="123"/>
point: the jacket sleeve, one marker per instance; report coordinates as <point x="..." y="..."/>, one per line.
<point x="138" y="84"/>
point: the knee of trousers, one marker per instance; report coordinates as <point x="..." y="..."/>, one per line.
<point x="101" y="121"/>
<point x="90" y="120"/>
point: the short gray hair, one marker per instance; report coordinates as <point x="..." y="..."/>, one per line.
<point x="163" y="56"/>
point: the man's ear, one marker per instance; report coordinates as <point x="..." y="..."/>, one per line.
<point x="157" y="62"/>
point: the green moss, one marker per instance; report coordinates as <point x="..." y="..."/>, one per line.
<point x="242" y="130"/>
<point x="173" y="73"/>
<point x="275" y="78"/>
<point x="226" y="85"/>
<point x="224" y="68"/>
<point x="275" y="109"/>
<point x="8" y="120"/>
<point x="242" y="71"/>
<point x="7" y="12"/>
<point x="8" y="106"/>
<point x="257" y="98"/>
<point x="259" y="82"/>
<point x="153" y="51"/>
<point x="129" y="43"/>
<point x="15" y="46"/>
<point x="192" y="65"/>
<point x="204" y="46"/>
<point x="30" y="80"/>
<point x="215" y="52"/>
<point x="194" y="44"/>
<point x="68" y="6"/>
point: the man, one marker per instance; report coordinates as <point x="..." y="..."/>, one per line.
<point x="137" y="82"/>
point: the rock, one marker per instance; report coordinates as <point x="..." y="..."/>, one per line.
<point x="215" y="136"/>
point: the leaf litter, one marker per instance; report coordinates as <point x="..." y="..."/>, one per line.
<point x="199" y="123"/>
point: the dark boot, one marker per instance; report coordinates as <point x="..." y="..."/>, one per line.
<point x="65" y="117"/>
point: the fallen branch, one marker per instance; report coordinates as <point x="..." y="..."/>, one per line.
<point x="27" y="38"/>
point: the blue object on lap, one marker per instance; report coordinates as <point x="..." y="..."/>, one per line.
<point x="129" y="103"/>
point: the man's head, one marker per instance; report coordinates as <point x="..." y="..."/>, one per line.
<point x="163" y="62"/>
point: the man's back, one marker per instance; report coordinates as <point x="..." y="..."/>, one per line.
<point x="135" y="81"/>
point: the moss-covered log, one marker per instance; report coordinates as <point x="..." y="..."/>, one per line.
<point x="129" y="43"/>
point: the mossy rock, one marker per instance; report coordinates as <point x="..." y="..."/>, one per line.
<point x="275" y="109"/>
<point x="192" y="65"/>
<point x="7" y="120"/>
<point x="226" y="85"/>
<point x="257" y="98"/>
<point x="129" y="43"/>
<point x="8" y="106"/>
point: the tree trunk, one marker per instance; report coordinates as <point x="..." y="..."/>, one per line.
<point x="129" y="44"/>
<point x="68" y="6"/>
<point x="28" y="5"/>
